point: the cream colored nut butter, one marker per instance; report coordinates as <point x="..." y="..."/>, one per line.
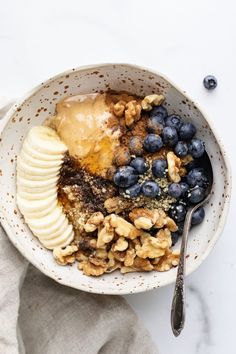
<point x="82" y="123"/>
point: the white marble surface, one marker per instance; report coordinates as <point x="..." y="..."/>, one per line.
<point x="183" y="39"/>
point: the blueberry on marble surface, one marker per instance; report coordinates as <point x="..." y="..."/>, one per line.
<point x="210" y="82"/>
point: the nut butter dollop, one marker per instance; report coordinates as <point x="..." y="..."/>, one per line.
<point x="82" y="123"/>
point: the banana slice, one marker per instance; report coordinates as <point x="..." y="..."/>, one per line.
<point x="36" y="178"/>
<point x="53" y="234"/>
<point x="38" y="168"/>
<point x="47" y="221"/>
<point x="36" y="196"/>
<point x="29" y="150"/>
<point x="29" y="214"/>
<point x="49" y="232"/>
<point x="36" y="171"/>
<point x="39" y="185"/>
<point x="60" y="241"/>
<point x="41" y="162"/>
<point x="35" y="206"/>
<point x="46" y="140"/>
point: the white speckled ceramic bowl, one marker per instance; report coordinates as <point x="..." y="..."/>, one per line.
<point x="39" y="104"/>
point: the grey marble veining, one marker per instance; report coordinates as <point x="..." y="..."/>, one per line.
<point x="203" y="340"/>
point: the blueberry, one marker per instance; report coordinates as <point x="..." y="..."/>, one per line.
<point x="196" y="177"/>
<point x="174" y="237"/>
<point x="170" y="136"/>
<point x="184" y="189"/>
<point x="139" y="165"/>
<point x="196" y="148"/>
<point x="155" y="125"/>
<point x="197" y="194"/>
<point x="181" y="149"/>
<point x="153" y="143"/>
<point x="174" y="121"/>
<point x="174" y="190"/>
<point x="210" y="82"/>
<point x="134" y="190"/>
<point x="198" y="216"/>
<point x="178" y="212"/>
<point x="150" y="189"/>
<point x="136" y="145"/>
<point x="125" y="176"/>
<point x="180" y="228"/>
<point x="159" y="111"/>
<point x="191" y="165"/>
<point x="159" y="168"/>
<point x="187" y="131"/>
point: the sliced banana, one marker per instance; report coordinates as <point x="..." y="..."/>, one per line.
<point x="48" y="220"/>
<point x="46" y="140"/>
<point x="40" y="184"/>
<point x="29" y="150"/>
<point x="36" y="196"/>
<point x="40" y="162"/>
<point x="49" y="235"/>
<point x="36" y="171"/>
<point x="34" y="206"/>
<point x="49" y="232"/>
<point x="36" y="178"/>
<point x="29" y="214"/>
<point x="38" y="168"/>
<point x="60" y="241"/>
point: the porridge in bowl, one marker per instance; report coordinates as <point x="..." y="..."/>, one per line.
<point x="107" y="181"/>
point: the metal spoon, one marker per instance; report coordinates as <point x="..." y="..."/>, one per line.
<point x="178" y="302"/>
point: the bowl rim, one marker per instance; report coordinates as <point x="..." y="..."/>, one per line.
<point x="7" y="226"/>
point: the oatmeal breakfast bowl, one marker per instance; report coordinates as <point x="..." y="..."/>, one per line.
<point x="98" y="167"/>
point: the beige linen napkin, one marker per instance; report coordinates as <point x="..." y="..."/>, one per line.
<point x="37" y="315"/>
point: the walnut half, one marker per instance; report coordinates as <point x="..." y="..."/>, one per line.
<point x="169" y="260"/>
<point x="152" y="100"/>
<point x="132" y="112"/>
<point x="174" y="165"/>
<point x="65" y="255"/>
<point x="93" y="222"/>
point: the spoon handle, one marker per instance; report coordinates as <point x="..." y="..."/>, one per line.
<point x="178" y="303"/>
